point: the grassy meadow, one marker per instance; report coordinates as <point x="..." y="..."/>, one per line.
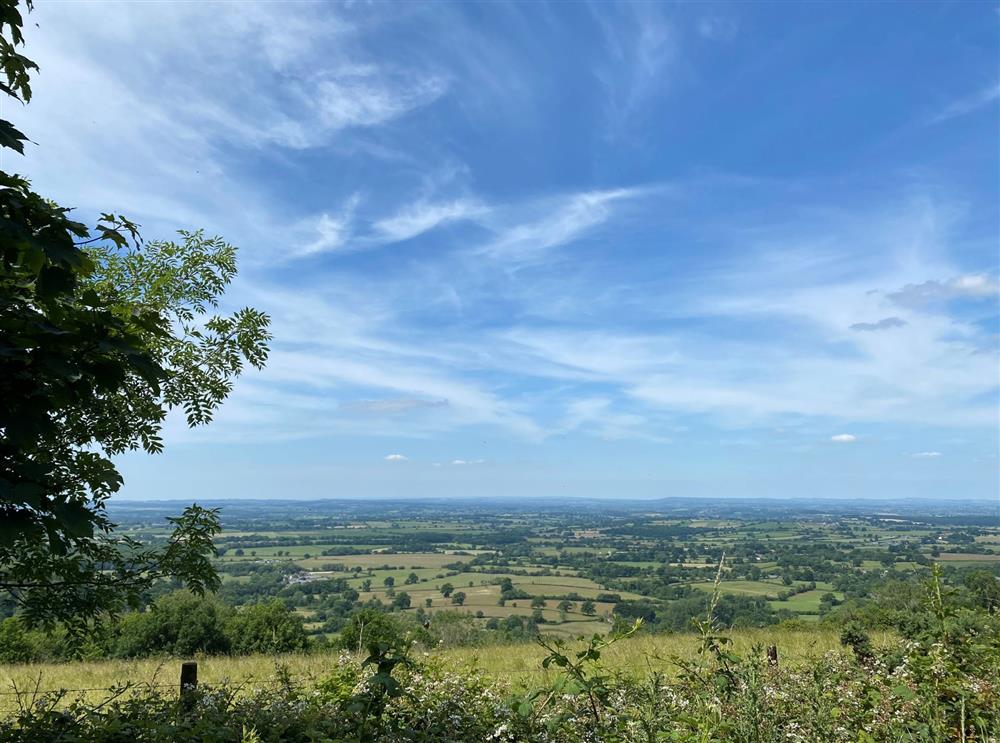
<point x="520" y="664"/>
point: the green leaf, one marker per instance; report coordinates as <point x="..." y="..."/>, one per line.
<point x="75" y="519"/>
<point x="11" y="138"/>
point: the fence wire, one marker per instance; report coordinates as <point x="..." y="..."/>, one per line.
<point x="137" y="685"/>
<point x="250" y="682"/>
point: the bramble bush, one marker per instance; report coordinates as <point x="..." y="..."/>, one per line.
<point x="940" y="684"/>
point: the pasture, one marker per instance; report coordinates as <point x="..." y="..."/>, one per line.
<point x="518" y="664"/>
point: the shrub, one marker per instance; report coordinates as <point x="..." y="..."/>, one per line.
<point x="180" y="623"/>
<point x="369" y="628"/>
<point x="266" y="628"/>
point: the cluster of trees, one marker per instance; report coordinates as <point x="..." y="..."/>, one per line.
<point x="679" y="615"/>
<point x="371" y="627"/>
<point x="178" y="624"/>
<point x="898" y="602"/>
<point x="184" y="624"/>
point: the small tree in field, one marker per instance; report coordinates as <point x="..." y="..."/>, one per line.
<point x="402" y="601"/>
<point x="267" y="628"/>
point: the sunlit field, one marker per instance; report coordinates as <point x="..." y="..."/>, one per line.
<point x="520" y="664"/>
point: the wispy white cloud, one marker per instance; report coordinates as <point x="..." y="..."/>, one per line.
<point x="718" y="28"/>
<point x="366" y="96"/>
<point x="391" y="406"/>
<point x="926" y="454"/>
<point x="564" y="219"/>
<point x="332" y="230"/>
<point x="987" y="96"/>
<point x="781" y="346"/>
<point x="396" y="458"/>
<point x="601" y="417"/>
<point x="844" y="438"/>
<point x="518" y="232"/>
<point x="515" y="232"/>
<point x="416" y="219"/>
<point x="228" y="78"/>
<point x="641" y="46"/>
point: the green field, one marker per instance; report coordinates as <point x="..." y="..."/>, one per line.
<point x="520" y="663"/>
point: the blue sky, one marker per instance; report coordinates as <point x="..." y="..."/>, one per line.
<point x="630" y="250"/>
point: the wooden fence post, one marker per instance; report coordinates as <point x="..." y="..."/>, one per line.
<point x="772" y="655"/>
<point x="189" y="684"/>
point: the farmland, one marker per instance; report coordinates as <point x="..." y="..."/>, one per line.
<point x="575" y="569"/>
<point x="476" y="595"/>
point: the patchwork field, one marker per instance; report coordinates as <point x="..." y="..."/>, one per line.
<point x="515" y="572"/>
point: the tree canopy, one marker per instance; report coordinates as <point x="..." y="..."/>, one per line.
<point x="101" y="335"/>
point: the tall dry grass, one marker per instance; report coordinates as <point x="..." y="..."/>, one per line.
<point x="520" y="664"/>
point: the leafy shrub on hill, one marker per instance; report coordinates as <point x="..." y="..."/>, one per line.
<point x="178" y="624"/>
<point x="370" y="628"/>
<point x="21" y="644"/>
<point x="183" y="624"/>
<point x="266" y="628"/>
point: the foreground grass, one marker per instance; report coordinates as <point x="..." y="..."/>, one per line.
<point x="520" y="663"/>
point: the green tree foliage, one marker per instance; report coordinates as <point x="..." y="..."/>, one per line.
<point x="21" y="644"/>
<point x="181" y="623"/>
<point x="370" y="628"/>
<point x="100" y="336"/>
<point x="402" y="601"/>
<point x="985" y="589"/>
<point x="581" y="671"/>
<point x="266" y="628"/>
